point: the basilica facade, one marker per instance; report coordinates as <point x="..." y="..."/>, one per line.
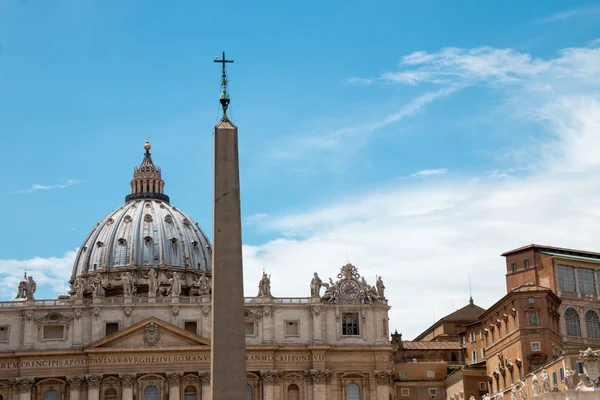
<point x="136" y="322"/>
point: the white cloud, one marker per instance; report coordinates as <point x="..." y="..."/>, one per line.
<point x="429" y="172"/>
<point x="51" y="274"/>
<point x="37" y="187"/>
<point x="565" y="15"/>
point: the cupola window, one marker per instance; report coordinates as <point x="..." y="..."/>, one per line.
<point x="110" y="221"/>
<point x="169" y="219"/>
<point x="186" y="222"/>
<point x="122" y="241"/>
<point x="148" y="218"/>
<point x="195" y="243"/>
<point x="127" y="218"/>
<point x="148" y="239"/>
<point x="99" y="244"/>
<point x="173" y="240"/>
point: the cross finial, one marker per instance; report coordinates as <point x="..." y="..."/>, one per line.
<point x="147" y="136"/>
<point x="224" y="98"/>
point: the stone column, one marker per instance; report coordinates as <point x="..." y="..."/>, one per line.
<point x="320" y="378"/>
<point x="75" y="386"/>
<point x="174" y="379"/>
<point x="13" y="389"/>
<point x="25" y="386"/>
<point x="93" y="384"/>
<point x="205" y="380"/>
<point x="383" y="380"/>
<point x="270" y="380"/>
<point x="127" y="382"/>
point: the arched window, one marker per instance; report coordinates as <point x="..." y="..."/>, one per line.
<point x="110" y="394"/>
<point x="51" y="395"/>
<point x="572" y="322"/>
<point x="352" y="392"/>
<point x="250" y="392"/>
<point x="293" y="392"/>
<point x="151" y="393"/>
<point x="592" y="324"/>
<point x="189" y="393"/>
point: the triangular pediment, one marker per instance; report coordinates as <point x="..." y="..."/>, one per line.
<point x="150" y="333"/>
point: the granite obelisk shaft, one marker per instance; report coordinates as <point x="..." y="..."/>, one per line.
<point x="228" y="347"/>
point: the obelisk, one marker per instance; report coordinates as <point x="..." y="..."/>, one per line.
<point x="228" y="345"/>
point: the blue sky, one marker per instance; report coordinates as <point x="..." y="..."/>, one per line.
<point x="418" y="140"/>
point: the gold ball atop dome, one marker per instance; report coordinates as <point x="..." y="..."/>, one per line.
<point x="147" y="146"/>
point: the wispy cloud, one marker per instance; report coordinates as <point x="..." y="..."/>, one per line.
<point x="429" y="172"/>
<point x="565" y="15"/>
<point x="37" y="187"/>
<point x="358" y="81"/>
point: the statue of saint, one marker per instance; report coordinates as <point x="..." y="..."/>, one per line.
<point x="569" y="380"/>
<point x="127" y="280"/>
<point x="535" y="385"/>
<point x="175" y="285"/>
<point x="30" y="288"/>
<point x="545" y="381"/>
<point x="315" y="286"/>
<point x="380" y="288"/>
<point x="79" y="286"/>
<point x="264" y="286"/>
<point x="204" y="284"/>
<point x="152" y="283"/>
<point x="523" y="390"/>
<point x="97" y="289"/>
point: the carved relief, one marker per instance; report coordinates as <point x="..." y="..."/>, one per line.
<point x="93" y="381"/>
<point x="206" y="311"/>
<point x="127" y="379"/>
<point x="96" y="312"/>
<point x="175" y="311"/>
<point x="151" y="334"/>
<point x="271" y="377"/>
<point x="205" y="378"/>
<point x="24" y="385"/>
<point x="351" y="288"/>
<point x="591" y="364"/>
<point x="75" y="381"/>
<point x="127" y="311"/>
<point x="190" y="379"/>
<point x="315" y="311"/>
<point x="319" y="377"/>
<point x="28" y="315"/>
<point x="383" y="377"/>
<point x="267" y="311"/>
<point x="174" y="378"/>
<point x="78" y="313"/>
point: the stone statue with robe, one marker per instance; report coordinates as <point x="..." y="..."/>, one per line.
<point x="264" y="286"/>
<point x="315" y="286"/>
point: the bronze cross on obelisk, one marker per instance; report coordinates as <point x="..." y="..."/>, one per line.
<point x="223" y="61"/>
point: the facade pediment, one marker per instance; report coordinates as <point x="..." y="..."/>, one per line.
<point x="151" y="333"/>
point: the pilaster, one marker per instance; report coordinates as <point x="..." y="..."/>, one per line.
<point x="315" y="311"/>
<point x="383" y="379"/>
<point x="205" y="381"/>
<point x="271" y="379"/>
<point x="319" y="378"/>
<point x="28" y="328"/>
<point x="127" y="382"/>
<point x="174" y="379"/>
<point x="25" y="386"/>
<point x="93" y="384"/>
<point x="75" y="386"/>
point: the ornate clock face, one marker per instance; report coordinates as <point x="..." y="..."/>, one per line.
<point x="349" y="289"/>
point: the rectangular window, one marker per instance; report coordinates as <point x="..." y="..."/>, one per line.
<point x="482" y="386"/>
<point x="579" y="367"/>
<point x="472" y="336"/>
<point x="249" y="326"/>
<point x="291" y="328"/>
<point x="526" y="264"/>
<point x="405" y="392"/>
<point x="474" y="356"/>
<point x="561" y="371"/>
<point x="191" y="327"/>
<point x="531" y="300"/>
<point x="554" y="379"/>
<point x="432" y="391"/>
<point x="110" y="328"/>
<point x="513" y="267"/>
<point x="535" y="346"/>
<point x="431" y="374"/>
<point x="403" y="374"/>
<point x="532" y="318"/>
<point x="585" y="277"/>
<point x="481" y="335"/>
<point x="482" y="353"/>
<point x="4" y="334"/>
<point x="54" y="332"/>
<point x="350" y="326"/>
<point x="566" y="279"/>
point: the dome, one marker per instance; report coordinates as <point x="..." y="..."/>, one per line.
<point x="146" y="233"/>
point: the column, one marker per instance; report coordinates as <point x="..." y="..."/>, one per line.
<point x="320" y="378"/>
<point x="205" y="380"/>
<point x="270" y="380"/>
<point x="25" y="387"/>
<point x="93" y="384"/>
<point x="127" y="381"/>
<point x="383" y="380"/>
<point x="13" y="389"/>
<point x="75" y="386"/>
<point x="174" y="379"/>
<point x="28" y="328"/>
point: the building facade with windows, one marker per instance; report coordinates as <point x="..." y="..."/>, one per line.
<point x="136" y="321"/>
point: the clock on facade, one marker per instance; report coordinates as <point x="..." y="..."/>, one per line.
<point x="349" y="289"/>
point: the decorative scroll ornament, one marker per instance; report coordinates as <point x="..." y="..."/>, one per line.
<point x="151" y="334"/>
<point x="93" y="381"/>
<point x="351" y="288"/>
<point x="271" y="377"/>
<point x="127" y="379"/>
<point x="383" y="377"/>
<point x="319" y="376"/>
<point x="205" y="378"/>
<point x="174" y="378"/>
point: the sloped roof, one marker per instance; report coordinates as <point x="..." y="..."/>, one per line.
<point x="414" y="345"/>
<point x="467" y="314"/>
<point x="558" y="250"/>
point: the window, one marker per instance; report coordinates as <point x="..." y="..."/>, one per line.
<point x="51" y="395"/>
<point x="554" y="379"/>
<point x="350" y="325"/>
<point x="592" y="324"/>
<point x="474" y="356"/>
<point x="291" y="328"/>
<point x="535" y="346"/>
<point x="54" y="332"/>
<point x="151" y="393"/>
<point x="293" y="392"/>
<point x="110" y="394"/>
<point x="561" y="371"/>
<point x="483" y="386"/>
<point x="532" y="317"/>
<point x="566" y="279"/>
<point x="352" y="392"/>
<point x="432" y="391"/>
<point x="572" y="322"/>
<point x="472" y="336"/>
<point x="189" y="393"/>
<point x="110" y="328"/>
<point x="431" y="374"/>
<point x="249" y="325"/>
<point x="585" y="278"/>
<point x="403" y="374"/>
<point x="514" y="267"/>
<point x="526" y="264"/>
<point x="405" y="392"/>
<point x="482" y="353"/>
<point x="481" y="335"/>
<point x="579" y="367"/>
<point x="531" y="300"/>
<point x="4" y="334"/>
<point x="250" y="392"/>
<point x="191" y="326"/>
